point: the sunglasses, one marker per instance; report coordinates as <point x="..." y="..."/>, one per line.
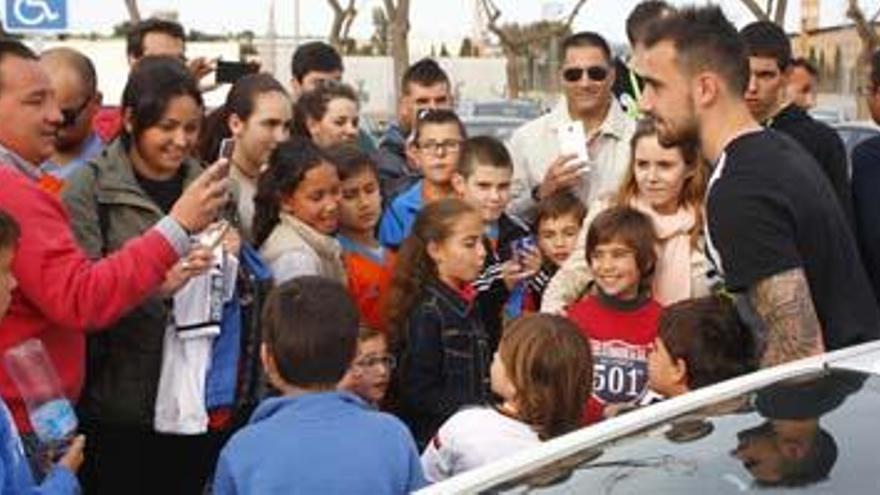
<point x="69" y="116"/>
<point x="594" y="73"/>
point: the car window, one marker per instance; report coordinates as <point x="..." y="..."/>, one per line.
<point x="818" y="434"/>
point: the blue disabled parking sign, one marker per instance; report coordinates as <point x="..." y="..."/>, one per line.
<point x="35" y="16"/>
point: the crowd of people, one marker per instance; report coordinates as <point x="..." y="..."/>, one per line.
<point x="257" y="299"/>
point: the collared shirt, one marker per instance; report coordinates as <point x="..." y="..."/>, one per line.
<point x="11" y="158"/>
<point x="90" y="149"/>
<point x="535" y="146"/>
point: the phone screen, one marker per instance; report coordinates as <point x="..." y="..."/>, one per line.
<point x="230" y="72"/>
<point x="573" y="141"/>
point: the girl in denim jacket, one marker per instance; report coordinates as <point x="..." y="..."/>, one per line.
<point x="440" y="341"/>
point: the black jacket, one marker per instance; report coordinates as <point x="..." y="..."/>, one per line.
<point x="492" y="294"/>
<point x="823" y="143"/>
<point x="444" y="363"/>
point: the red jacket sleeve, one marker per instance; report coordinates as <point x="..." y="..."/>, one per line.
<point x="54" y="274"/>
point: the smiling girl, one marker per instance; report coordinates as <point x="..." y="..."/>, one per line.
<point x="668" y="185"/>
<point x="297" y="213"/>
<point x="328" y="115"/>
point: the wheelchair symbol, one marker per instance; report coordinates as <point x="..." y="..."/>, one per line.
<point x="35" y="12"/>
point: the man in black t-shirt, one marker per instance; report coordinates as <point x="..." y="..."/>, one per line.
<point x="776" y="231"/>
<point x="769" y="54"/>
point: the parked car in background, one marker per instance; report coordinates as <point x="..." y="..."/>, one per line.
<point x="828" y="115"/>
<point x="498" y="127"/>
<point x="804" y="427"/>
<point x="521" y="109"/>
<point x="853" y="133"/>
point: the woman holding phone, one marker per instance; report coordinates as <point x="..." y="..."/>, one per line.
<point x="122" y="193"/>
<point x="668" y="185"/>
<point x="254" y="120"/>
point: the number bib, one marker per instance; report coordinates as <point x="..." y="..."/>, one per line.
<point x="620" y="371"/>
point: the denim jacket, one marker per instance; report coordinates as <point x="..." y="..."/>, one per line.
<point x="445" y="362"/>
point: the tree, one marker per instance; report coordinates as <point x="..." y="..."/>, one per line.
<point x="764" y="14"/>
<point x="379" y="41"/>
<point x="398" y="34"/>
<point x="870" y="42"/>
<point x="444" y="52"/>
<point x="341" y="25"/>
<point x="516" y="40"/>
<point x="134" y="13"/>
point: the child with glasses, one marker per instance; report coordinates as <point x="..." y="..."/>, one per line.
<point x="370" y="373"/>
<point x="434" y="147"/>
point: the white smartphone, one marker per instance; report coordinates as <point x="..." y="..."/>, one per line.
<point x="573" y="141"/>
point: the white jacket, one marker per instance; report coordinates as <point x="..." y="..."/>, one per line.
<point x="535" y="145"/>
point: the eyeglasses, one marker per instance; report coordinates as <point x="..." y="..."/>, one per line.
<point x="594" y="73"/>
<point x="370" y="362"/>
<point x="448" y="146"/>
<point x="71" y="115"/>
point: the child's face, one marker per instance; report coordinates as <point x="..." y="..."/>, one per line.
<point x="616" y="270"/>
<point x="315" y="201"/>
<point x="487" y="188"/>
<point x="7" y="281"/>
<point x="557" y="237"/>
<point x="665" y="374"/>
<point x="437" y="152"/>
<point x="370" y="372"/>
<point x="500" y="382"/>
<point x="660" y="174"/>
<point x="460" y="257"/>
<point x="361" y="204"/>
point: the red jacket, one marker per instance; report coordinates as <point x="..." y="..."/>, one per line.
<point x="61" y="294"/>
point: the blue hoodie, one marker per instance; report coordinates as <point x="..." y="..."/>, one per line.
<point x="326" y="442"/>
<point x="398" y="219"/>
<point x="15" y="472"/>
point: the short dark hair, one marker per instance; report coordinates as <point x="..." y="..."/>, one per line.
<point x="134" y="43"/>
<point x="152" y="83"/>
<point x="766" y="39"/>
<point x="486" y="151"/>
<point x="76" y="61"/>
<point x="586" y="39"/>
<point x="313" y="105"/>
<point x="425" y="72"/>
<point x="314" y="56"/>
<point x="631" y="227"/>
<point x="704" y="40"/>
<point x="436" y="116"/>
<point x="14" y="48"/>
<point x="560" y="204"/>
<point x="311" y="329"/>
<point x="708" y="335"/>
<point x="9" y="231"/>
<point x="804" y="64"/>
<point x="642" y="15"/>
<point x="350" y="160"/>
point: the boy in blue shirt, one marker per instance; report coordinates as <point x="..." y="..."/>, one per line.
<point x="15" y="471"/>
<point x="313" y="438"/>
<point x="435" y="147"/>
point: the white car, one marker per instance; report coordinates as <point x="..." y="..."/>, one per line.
<point x="811" y="426"/>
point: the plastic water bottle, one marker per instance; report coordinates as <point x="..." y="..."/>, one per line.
<point x="51" y="414"/>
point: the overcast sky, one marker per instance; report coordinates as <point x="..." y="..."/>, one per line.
<point x="431" y="20"/>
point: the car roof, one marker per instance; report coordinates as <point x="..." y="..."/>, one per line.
<point x="864" y="358"/>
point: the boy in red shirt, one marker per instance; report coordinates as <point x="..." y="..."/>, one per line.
<point x="368" y="264"/>
<point x="619" y="317"/>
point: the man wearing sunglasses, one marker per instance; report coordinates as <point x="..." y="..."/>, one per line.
<point x="72" y="76"/>
<point x="540" y="169"/>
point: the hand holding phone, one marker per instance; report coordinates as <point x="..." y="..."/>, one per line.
<point x="573" y="141"/>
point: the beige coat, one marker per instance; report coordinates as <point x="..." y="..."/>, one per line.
<point x="294" y="249"/>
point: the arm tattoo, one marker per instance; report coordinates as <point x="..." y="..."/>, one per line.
<point x="784" y="304"/>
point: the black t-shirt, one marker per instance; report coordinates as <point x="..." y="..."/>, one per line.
<point x="767" y="213"/>
<point x="824" y="144"/>
<point x="163" y="192"/>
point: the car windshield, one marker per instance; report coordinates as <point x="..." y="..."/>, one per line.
<point x="818" y="434"/>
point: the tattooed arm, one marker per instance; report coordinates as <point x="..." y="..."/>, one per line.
<point x="784" y="304"/>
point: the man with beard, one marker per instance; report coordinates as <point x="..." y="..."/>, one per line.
<point x="75" y="83"/>
<point x="539" y="168"/>
<point x="775" y="230"/>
